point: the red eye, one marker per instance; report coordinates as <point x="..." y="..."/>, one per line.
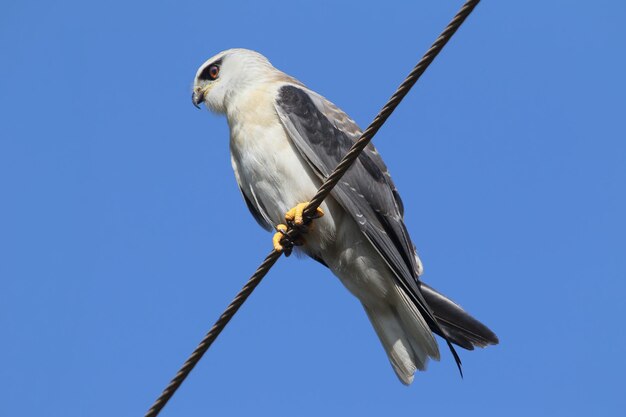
<point x="214" y="71"/>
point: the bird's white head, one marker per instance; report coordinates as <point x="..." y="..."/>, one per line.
<point x="226" y="74"/>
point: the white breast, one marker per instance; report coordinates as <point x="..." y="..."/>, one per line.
<point x="269" y="167"/>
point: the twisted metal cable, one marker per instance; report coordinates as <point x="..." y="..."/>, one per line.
<point x="315" y="202"/>
<point x="391" y="105"/>
<point x="212" y="334"/>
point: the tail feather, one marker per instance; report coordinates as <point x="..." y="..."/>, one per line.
<point x="416" y="327"/>
<point x="460" y="328"/>
<point x="405" y="335"/>
<point x="396" y="345"/>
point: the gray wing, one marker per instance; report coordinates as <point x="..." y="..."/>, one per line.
<point x="323" y="134"/>
<point x="261" y="218"/>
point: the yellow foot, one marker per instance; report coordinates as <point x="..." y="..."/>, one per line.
<point x="283" y="243"/>
<point x="278" y="237"/>
<point x="295" y="214"/>
<point x="295" y="219"/>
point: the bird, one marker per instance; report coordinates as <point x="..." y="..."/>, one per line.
<point x="284" y="140"/>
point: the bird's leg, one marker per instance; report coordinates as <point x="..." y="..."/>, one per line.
<point x="295" y="219"/>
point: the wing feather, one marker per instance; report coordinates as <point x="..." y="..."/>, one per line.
<point x="256" y="208"/>
<point x="323" y="134"/>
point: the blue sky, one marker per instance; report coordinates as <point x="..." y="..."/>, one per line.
<point x="123" y="235"/>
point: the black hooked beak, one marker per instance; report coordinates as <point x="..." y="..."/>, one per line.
<point x="197" y="98"/>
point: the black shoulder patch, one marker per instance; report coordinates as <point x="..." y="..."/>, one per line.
<point x="316" y="127"/>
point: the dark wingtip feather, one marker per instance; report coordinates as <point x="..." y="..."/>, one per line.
<point x="457" y="359"/>
<point x="460" y="327"/>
